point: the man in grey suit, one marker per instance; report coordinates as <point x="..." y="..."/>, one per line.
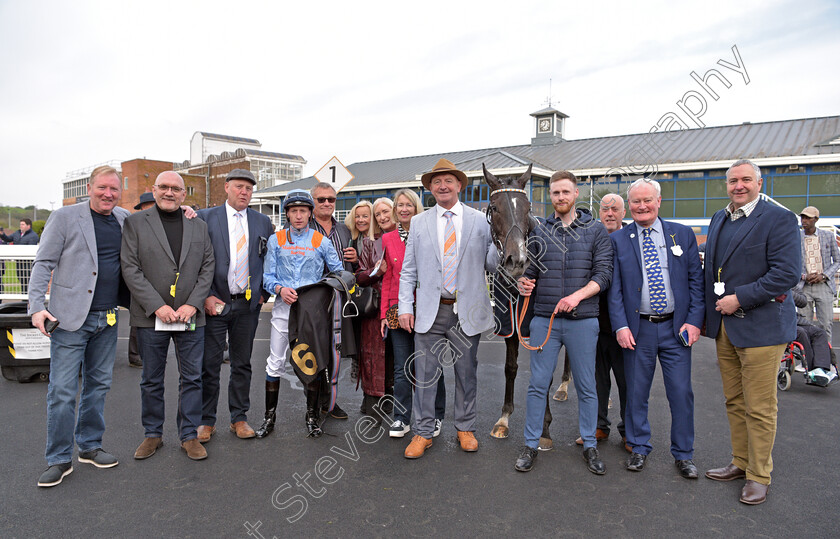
<point x="452" y="302"/>
<point x="80" y="251"/>
<point x="167" y="263"/>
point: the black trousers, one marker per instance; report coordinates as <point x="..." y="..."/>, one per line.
<point x="238" y="326"/>
<point x="814" y="341"/>
<point x="608" y="356"/>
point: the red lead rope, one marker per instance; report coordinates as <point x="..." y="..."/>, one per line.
<point x="519" y="326"/>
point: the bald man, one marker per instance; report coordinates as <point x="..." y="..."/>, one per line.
<point x="168" y="263"/>
<point x="608" y="355"/>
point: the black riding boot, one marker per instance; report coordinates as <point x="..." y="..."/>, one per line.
<point x="313" y="412"/>
<point x="272" y="391"/>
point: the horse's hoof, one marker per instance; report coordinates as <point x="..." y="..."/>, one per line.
<point x="546" y="444"/>
<point x="561" y="395"/>
<point x="499" y="431"/>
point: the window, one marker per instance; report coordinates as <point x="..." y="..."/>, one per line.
<point x="689" y="208"/>
<point x="190" y="191"/>
<point x="790" y="185"/>
<point x="691" y="189"/>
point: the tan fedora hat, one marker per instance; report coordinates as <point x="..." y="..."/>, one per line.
<point x="444" y="166"/>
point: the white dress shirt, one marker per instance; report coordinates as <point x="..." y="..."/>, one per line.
<point x="232" y="243"/>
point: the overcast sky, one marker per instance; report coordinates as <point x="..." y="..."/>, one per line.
<point x="86" y="82"/>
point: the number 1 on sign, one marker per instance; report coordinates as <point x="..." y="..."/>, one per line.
<point x="332" y="168"/>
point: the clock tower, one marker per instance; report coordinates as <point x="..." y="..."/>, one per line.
<point x="550" y="126"/>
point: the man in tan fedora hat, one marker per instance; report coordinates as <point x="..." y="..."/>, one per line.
<point x="444" y="301"/>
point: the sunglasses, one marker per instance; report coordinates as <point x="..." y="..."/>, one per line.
<point x="321" y="200"/>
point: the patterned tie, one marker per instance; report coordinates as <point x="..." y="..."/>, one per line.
<point x="450" y="255"/>
<point x="656" y="285"/>
<point x="240" y="271"/>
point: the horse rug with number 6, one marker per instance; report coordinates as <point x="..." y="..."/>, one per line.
<point x="315" y="328"/>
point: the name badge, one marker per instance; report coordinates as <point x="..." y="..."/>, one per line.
<point x="720" y="287"/>
<point x="677" y="250"/>
<point x="111" y="318"/>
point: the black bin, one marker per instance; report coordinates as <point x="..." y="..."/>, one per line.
<point x="13" y="316"/>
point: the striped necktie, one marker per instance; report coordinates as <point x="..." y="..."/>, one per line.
<point x="450" y="255"/>
<point x="240" y="271"/>
<point x="656" y="284"/>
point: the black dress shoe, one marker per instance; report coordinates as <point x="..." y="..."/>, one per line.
<point x="337" y="412"/>
<point x="636" y="462"/>
<point x="526" y="459"/>
<point x="593" y="461"/>
<point x="687" y="468"/>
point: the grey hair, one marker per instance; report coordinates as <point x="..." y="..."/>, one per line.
<point x="645" y="181"/>
<point x="321" y="185"/>
<point x="740" y="162"/>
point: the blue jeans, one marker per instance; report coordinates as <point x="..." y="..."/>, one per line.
<point x="580" y="338"/>
<point x="189" y="350"/>
<point x="91" y="348"/>
<point x="402" y="343"/>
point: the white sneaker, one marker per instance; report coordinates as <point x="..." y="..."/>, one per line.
<point x="819" y="377"/>
<point x="831" y="376"/>
<point x="438" y="426"/>
<point x="799" y="368"/>
<point x="398" y="429"/>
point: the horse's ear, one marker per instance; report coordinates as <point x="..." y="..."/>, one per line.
<point x="491" y="180"/>
<point x="522" y="180"/>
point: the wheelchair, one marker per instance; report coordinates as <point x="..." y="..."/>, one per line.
<point x="796" y="352"/>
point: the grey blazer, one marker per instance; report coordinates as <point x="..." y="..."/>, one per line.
<point x="149" y="268"/>
<point x="67" y="253"/>
<point x="423" y="271"/>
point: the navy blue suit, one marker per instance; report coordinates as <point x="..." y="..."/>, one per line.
<point x="238" y="324"/>
<point x="762" y="261"/>
<point x="657" y="339"/>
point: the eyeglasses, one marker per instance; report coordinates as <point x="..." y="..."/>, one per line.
<point x="321" y="200"/>
<point x="173" y="188"/>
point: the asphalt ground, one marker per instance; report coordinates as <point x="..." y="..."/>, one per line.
<point x="250" y="487"/>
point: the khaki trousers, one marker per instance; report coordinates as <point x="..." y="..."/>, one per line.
<point x="749" y="385"/>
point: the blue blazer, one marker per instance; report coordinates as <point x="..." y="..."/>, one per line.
<point x="259" y="226"/>
<point x="685" y="272"/>
<point x="762" y="261"/>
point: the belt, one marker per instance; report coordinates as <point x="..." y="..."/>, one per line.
<point x="238" y="296"/>
<point x="656" y="318"/>
<point x="447" y="301"/>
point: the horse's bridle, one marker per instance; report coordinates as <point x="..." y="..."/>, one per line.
<point x="492" y="208"/>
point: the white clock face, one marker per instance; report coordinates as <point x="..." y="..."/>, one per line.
<point x="545" y="125"/>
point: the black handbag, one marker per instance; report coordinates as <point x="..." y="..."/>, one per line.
<point x="366" y="299"/>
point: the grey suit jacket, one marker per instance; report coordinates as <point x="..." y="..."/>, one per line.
<point x="67" y="253"/>
<point x="149" y="268"/>
<point x="423" y="271"/>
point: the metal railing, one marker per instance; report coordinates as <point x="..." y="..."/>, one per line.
<point x="16" y="266"/>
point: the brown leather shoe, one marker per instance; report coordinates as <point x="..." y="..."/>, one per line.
<point x="147" y="448"/>
<point x="194" y="449"/>
<point x="243" y="430"/>
<point x="729" y="472"/>
<point x="417" y="447"/>
<point x="467" y="441"/>
<point x="754" y="492"/>
<point x="600" y="436"/>
<point x="205" y="432"/>
<point x="626" y="445"/>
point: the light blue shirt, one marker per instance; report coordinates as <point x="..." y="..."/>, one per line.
<point x="298" y="262"/>
<point x="657" y="234"/>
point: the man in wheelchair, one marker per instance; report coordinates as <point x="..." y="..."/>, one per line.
<point x="814" y="340"/>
